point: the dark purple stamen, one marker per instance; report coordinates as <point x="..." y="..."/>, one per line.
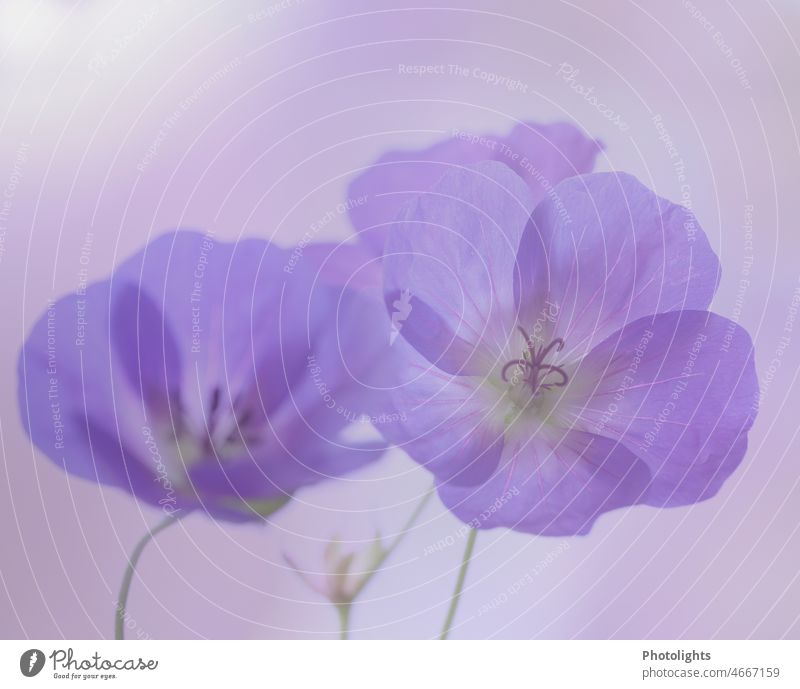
<point x="533" y="368"/>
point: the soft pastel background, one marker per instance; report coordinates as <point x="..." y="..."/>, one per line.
<point x="280" y="103"/>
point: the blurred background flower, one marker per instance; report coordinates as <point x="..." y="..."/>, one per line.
<point x="203" y="375"/>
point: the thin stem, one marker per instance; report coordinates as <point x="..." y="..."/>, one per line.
<point x="344" y="610"/>
<point x="122" y="602"/>
<point x="344" y="621"/>
<point x="398" y="539"/>
<point x="462" y="575"/>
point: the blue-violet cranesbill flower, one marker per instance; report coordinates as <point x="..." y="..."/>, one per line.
<point x="203" y="374"/>
<point x="559" y="360"/>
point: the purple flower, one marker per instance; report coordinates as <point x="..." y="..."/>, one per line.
<point x="561" y="363"/>
<point x="202" y="374"/>
<point x="542" y="155"/>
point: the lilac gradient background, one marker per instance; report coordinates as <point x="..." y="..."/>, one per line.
<point x="283" y="110"/>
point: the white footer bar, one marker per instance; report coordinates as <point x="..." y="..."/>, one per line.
<point x="415" y="664"/>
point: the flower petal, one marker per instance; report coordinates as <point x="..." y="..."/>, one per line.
<point x="445" y="422"/>
<point x="679" y="390"/>
<point x="542" y="155"/>
<point x="553" y="484"/>
<point x="77" y="400"/>
<point x="451" y="256"/>
<point x="146" y="348"/>
<point x="222" y="303"/>
<point x="604" y="251"/>
<point x="349" y="367"/>
<point x="256" y="324"/>
<point x="280" y="473"/>
<point x="196" y="352"/>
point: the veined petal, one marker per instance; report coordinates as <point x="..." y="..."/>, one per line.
<point x="541" y="154"/>
<point x="679" y="390"/>
<point x="452" y="255"/>
<point x="446" y="423"/>
<point x="604" y="251"/>
<point x="552" y="484"/>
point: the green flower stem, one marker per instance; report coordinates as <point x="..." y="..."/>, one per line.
<point x="344" y="609"/>
<point x="399" y="539"/>
<point x="122" y="602"/>
<point x="462" y="575"/>
<point x="344" y="621"/>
